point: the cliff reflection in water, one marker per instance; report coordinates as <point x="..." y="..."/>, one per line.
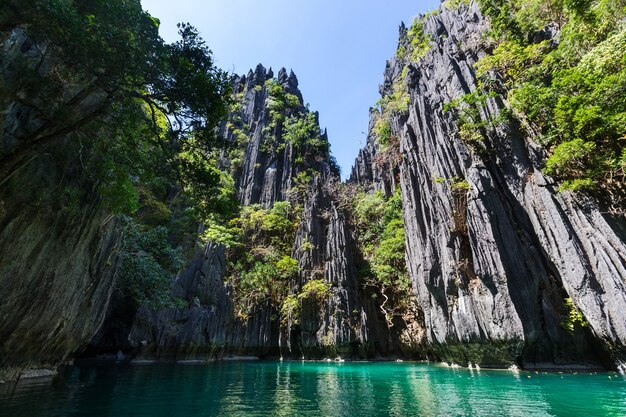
<point x="311" y="388"/>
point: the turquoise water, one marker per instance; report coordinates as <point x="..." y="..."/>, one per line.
<point x="312" y="389"/>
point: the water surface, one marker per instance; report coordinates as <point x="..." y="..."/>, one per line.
<point x="312" y="389"/>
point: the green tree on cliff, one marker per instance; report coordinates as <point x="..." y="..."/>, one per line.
<point x="106" y="75"/>
<point x="127" y="115"/>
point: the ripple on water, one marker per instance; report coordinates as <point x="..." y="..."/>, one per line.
<point x="311" y="389"/>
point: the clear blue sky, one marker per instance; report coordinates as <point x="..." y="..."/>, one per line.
<point x="337" y="48"/>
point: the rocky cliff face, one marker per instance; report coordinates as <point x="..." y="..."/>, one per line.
<point x="342" y="326"/>
<point x="58" y="247"/>
<point x="372" y="169"/>
<point x="493" y="249"/>
<point x="265" y="173"/>
<point x="499" y="260"/>
<point x="265" y="176"/>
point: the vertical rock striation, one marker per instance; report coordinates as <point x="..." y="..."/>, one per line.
<point x="57" y="250"/>
<point x="265" y="177"/>
<point x="493" y="248"/>
<point x="498" y="258"/>
<point x="264" y="174"/>
<point x="341" y="327"/>
<point x="371" y="170"/>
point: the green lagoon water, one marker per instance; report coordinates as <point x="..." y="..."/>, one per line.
<point x="312" y="389"/>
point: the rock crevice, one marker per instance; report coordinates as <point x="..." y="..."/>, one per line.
<point x="495" y="293"/>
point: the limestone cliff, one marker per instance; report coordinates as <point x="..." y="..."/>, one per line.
<point x="265" y="173"/>
<point x="57" y="243"/>
<point x="498" y="258"/>
<point x="493" y="249"/>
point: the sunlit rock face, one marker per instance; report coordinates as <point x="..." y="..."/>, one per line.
<point x="345" y="325"/>
<point x="493" y="261"/>
<point x="497" y="257"/>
